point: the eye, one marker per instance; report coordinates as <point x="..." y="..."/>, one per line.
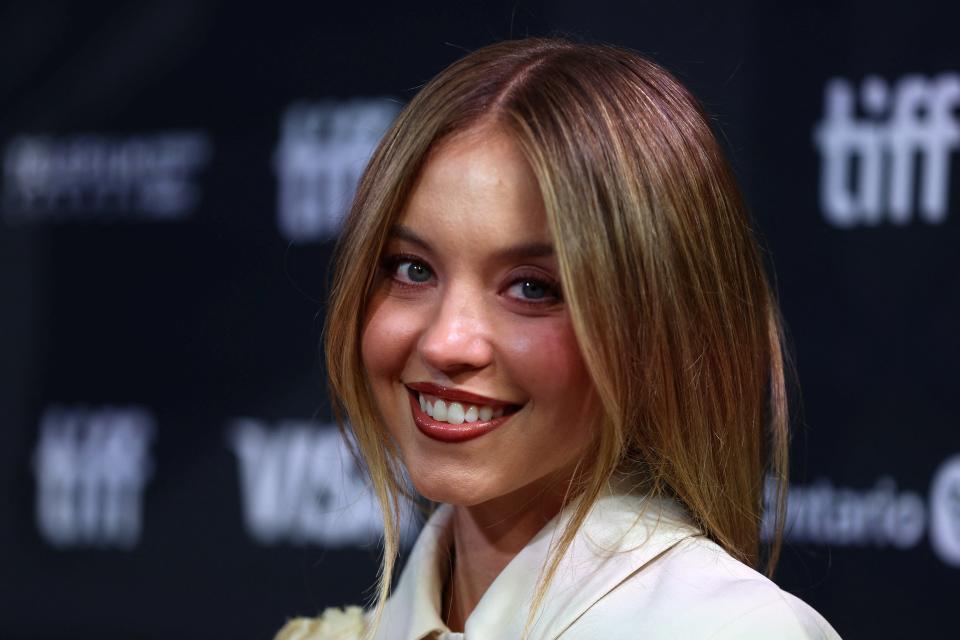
<point x="531" y="289"/>
<point x="414" y="271"/>
<point x="407" y="270"/>
<point x="535" y="290"/>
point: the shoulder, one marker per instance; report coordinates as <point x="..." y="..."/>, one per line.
<point x="698" y="590"/>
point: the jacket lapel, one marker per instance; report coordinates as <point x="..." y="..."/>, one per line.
<point x="412" y="612"/>
<point x="621" y="536"/>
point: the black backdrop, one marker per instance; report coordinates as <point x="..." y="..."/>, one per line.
<point x="172" y="177"/>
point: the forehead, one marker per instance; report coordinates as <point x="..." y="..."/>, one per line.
<point x="477" y="182"/>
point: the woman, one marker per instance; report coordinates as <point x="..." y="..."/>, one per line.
<point x="568" y="342"/>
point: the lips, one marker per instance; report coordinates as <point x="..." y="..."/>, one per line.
<point x="452" y="433"/>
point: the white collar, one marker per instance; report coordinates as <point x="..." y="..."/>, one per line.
<point x="615" y="541"/>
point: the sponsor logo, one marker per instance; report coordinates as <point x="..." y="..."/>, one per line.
<point x="881" y="516"/>
<point x="892" y="163"/>
<point x="91" y="467"/>
<point x="323" y="149"/>
<point x="945" y="511"/>
<point x="824" y="514"/>
<point x="143" y="176"/>
<point x="300" y="485"/>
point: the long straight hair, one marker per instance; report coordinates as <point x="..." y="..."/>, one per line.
<point x="676" y="321"/>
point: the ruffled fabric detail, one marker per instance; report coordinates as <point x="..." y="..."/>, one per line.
<point x="333" y="624"/>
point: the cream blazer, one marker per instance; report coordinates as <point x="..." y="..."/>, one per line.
<point x="652" y="577"/>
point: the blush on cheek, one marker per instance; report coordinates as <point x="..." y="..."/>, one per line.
<point x="549" y="354"/>
<point x="387" y="336"/>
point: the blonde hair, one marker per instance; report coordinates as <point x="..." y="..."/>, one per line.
<point x="663" y="279"/>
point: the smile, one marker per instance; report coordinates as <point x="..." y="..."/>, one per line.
<point x="449" y="420"/>
<point x="456" y="412"/>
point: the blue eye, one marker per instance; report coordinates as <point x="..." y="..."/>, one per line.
<point x="413" y="271"/>
<point x="534" y="291"/>
<point x="406" y="270"/>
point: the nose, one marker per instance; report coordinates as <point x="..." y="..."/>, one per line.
<point x="458" y="338"/>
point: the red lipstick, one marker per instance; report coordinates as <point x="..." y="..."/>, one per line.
<point x="446" y="432"/>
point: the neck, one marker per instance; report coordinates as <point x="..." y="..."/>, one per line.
<point x="486" y="538"/>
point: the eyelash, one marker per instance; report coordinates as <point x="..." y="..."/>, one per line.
<point x="390" y="263"/>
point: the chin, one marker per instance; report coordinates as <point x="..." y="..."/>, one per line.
<point x="440" y="487"/>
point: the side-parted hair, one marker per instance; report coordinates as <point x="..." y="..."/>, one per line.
<point x="676" y="321"/>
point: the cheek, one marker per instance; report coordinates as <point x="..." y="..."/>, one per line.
<point x="389" y="335"/>
<point x="549" y="364"/>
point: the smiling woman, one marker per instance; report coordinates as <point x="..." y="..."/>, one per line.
<point x="549" y="312"/>
<point x="465" y="318"/>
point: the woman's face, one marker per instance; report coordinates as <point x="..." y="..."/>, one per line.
<point x="468" y="313"/>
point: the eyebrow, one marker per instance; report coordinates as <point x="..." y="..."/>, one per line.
<point x="516" y="252"/>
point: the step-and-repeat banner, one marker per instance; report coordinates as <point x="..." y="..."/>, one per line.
<point x="173" y="177"/>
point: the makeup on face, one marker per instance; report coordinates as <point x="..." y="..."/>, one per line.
<point x="469" y="348"/>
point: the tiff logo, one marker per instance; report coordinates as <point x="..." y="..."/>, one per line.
<point x="894" y="162"/>
<point x="91" y="466"/>
<point x="323" y="149"/>
<point x="299" y="484"/>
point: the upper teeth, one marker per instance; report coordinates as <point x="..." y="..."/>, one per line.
<point x="455" y="412"/>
